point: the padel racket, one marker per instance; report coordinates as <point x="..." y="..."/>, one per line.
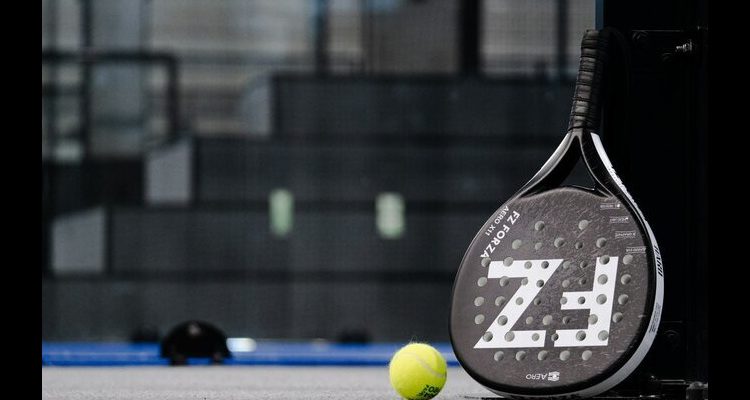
<point x="560" y="292"/>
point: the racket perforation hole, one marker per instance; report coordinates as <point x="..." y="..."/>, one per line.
<point x="487" y="336"/>
<point x="547" y="319"/>
<point x="604" y="259"/>
<point x="542" y="355"/>
<point x="579" y="245"/>
<point x="519" y="300"/>
<point x="586" y="355"/>
<point x="601" y="242"/>
<point x="537" y="301"/>
<point x="504" y="281"/>
<point x="510" y="336"/>
<point x="566" y="264"/>
<point x="478" y="319"/>
<point x="481" y="281"/>
<point x="602" y="279"/>
<point x="524" y="281"/>
<point x="566" y="320"/>
<point x="582" y="281"/>
<point x="583" y="265"/>
<point x="617" y="317"/>
<point x="593" y="319"/>
<point x="500" y="300"/>
<point x="539" y="225"/>
<point x="529" y="320"/>
<point x="583" y="224"/>
<point x="554" y="337"/>
<point x="535" y="336"/>
<point x="516" y="244"/>
<point x="545" y="264"/>
<point x="539" y="283"/>
<point x="581" y="300"/>
<point x="538" y="245"/>
<point x="563" y="300"/>
<point x="479" y="301"/>
<point x="625" y="279"/>
<point x="601" y="299"/>
<point x="527" y="265"/>
<point x="627" y="259"/>
<point x="623" y="299"/>
<point x="502" y="320"/>
<point x="580" y="336"/>
<point x="566" y="283"/>
<point x="564" y="355"/>
<point x="559" y="242"/>
<point x="508" y="261"/>
<point x="603" y="335"/>
<point x="498" y="355"/>
<point x="486" y="261"/>
<point x="521" y="355"/>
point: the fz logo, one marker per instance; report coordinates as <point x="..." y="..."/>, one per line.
<point x="554" y="376"/>
<point x="536" y="274"/>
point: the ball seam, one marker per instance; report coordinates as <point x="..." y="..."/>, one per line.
<point x="425" y="365"/>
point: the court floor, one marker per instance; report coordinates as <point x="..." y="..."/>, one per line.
<point x="236" y="382"/>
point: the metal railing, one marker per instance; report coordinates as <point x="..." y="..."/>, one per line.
<point x="89" y="58"/>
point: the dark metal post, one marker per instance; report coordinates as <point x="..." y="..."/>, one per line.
<point x="561" y="53"/>
<point x="86" y="75"/>
<point x="321" y="36"/>
<point x="51" y="122"/>
<point x="469" y="37"/>
<point x="173" y="99"/>
<point x="365" y="34"/>
<point x="49" y="174"/>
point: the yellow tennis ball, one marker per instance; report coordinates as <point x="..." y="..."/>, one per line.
<point x="418" y="371"/>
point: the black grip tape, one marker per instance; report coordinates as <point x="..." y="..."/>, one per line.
<point x="586" y="111"/>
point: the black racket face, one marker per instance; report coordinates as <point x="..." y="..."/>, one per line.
<point x="558" y="294"/>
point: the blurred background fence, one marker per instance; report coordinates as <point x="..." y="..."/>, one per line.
<point x="286" y="168"/>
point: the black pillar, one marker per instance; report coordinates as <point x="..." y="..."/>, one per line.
<point x="321" y="36"/>
<point x="86" y="76"/>
<point x="561" y="48"/>
<point x="469" y="37"/>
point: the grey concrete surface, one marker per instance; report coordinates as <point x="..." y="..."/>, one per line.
<point x="216" y="382"/>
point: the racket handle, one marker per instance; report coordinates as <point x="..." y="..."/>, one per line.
<point x="586" y="111"/>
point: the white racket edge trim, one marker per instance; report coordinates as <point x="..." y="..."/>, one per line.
<point x="653" y="325"/>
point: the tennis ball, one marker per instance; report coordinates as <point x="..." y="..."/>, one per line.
<point x="418" y="371"/>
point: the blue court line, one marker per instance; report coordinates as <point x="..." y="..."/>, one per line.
<point x="266" y="353"/>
